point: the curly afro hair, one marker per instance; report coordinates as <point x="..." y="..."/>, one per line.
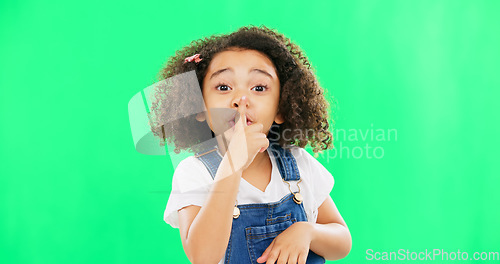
<point x="302" y="101"/>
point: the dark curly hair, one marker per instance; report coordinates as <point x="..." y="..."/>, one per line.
<point x="302" y="101"/>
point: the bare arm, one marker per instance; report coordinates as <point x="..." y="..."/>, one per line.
<point x="205" y="230"/>
<point x="330" y="236"/>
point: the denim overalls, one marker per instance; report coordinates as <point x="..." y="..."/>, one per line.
<point x="258" y="224"/>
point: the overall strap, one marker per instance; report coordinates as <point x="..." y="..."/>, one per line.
<point x="287" y="165"/>
<point x="286" y="162"/>
<point x="211" y="158"/>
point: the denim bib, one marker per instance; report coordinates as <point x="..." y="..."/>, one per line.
<point x="259" y="223"/>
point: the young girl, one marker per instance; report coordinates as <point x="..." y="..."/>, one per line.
<point x="261" y="198"/>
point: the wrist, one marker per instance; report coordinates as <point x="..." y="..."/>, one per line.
<point x="227" y="169"/>
<point x="232" y="165"/>
<point x="309" y="229"/>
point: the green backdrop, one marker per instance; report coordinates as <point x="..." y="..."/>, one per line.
<point x="421" y="76"/>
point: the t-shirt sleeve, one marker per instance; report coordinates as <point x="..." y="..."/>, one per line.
<point x="322" y="180"/>
<point x="190" y="186"/>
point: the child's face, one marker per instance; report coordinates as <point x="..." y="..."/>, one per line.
<point x="236" y="73"/>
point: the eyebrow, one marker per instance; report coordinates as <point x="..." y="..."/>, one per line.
<point x="219" y="72"/>
<point x="229" y="69"/>
<point x="261" y="71"/>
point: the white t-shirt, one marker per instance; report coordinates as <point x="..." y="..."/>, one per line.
<point x="191" y="184"/>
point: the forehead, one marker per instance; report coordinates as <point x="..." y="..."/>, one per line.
<point x="242" y="59"/>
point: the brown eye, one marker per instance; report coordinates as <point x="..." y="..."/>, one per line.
<point x="260" y="88"/>
<point x="222" y="87"/>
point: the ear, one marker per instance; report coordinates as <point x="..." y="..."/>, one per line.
<point x="201" y="117"/>
<point x="279" y="119"/>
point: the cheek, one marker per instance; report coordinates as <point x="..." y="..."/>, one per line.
<point x="215" y="102"/>
<point x="209" y="100"/>
<point x="208" y="97"/>
<point x="274" y="103"/>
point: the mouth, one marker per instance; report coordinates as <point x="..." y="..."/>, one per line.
<point x="233" y="120"/>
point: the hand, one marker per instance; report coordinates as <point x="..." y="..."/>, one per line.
<point x="246" y="140"/>
<point x="291" y="246"/>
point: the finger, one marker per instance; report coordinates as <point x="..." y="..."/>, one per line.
<point x="260" y="140"/>
<point x="266" y="145"/>
<point x="283" y="257"/>
<point x="273" y="256"/>
<point x="257" y="127"/>
<point x="303" y="257"/>
<point x="242" y="109"/>
<point x="264" y="255"/>
<point x="292" y="258"/>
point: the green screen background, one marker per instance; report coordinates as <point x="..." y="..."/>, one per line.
<point x="74" y="190"/>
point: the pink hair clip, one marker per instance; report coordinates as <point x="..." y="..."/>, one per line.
<point x="195" y="58"/>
